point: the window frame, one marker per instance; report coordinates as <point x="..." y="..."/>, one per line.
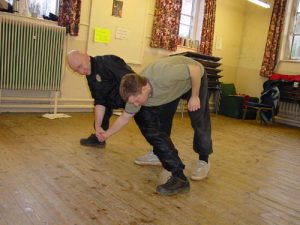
<point x="288" y="32"/>
<point x="191" y="16"/>
<point x="195" y="26"/>
<point x="57" y="8"/>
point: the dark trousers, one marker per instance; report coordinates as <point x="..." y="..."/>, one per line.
<point x="155" y="124"/>
<point x="200" y="121"/>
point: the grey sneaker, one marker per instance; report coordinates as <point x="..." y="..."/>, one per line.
<point x="150" y="159"/>
<point x="201" y="170"/>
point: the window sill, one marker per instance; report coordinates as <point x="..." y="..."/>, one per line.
<point x="185" y="47"/>
<point x="290" y="60"/>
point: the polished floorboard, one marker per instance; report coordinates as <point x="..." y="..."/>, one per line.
<point x="47" y="178"/>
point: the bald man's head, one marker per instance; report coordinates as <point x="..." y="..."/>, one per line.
<point x="79" y="62"/>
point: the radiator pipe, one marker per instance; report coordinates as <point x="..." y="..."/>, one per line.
<point x="44" y="99"/>
<point x="55" y="102"/>
<point x="45" y="106"/>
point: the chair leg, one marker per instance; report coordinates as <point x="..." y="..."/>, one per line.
<point x="258" y="115"/>
<point x="217" y="101"/>
<point x="262" y="120"/>
<point x="273" y="119"/>
<point x="244" y="113"/>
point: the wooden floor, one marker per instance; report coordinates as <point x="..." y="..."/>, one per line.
<point x="46" y="177"/>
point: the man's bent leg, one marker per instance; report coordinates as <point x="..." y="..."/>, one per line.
<point x="202" y="144"/>
<point x="149" y="123"/>
<point x="166" y="114"/>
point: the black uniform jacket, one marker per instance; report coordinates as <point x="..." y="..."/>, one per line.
<point x="104" y="80"/>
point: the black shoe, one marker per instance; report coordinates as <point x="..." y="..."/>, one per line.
<point x="174" y="185"/>
<point x="92" y="141"/>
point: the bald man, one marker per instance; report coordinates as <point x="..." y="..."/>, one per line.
<point x="103" y="74"/>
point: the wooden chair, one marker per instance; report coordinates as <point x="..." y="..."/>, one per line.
<point x="260" y="108"/>
<point x="268" y="105"/>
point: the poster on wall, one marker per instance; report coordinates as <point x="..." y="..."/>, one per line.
<point x="102" y="36"/>
<point x="117" y="8"/>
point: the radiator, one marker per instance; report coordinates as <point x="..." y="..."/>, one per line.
<point x="31" y="54"/>
<point x="289" y="113"/>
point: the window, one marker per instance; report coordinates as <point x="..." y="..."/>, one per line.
<point x="43" y="6"/>
<point x="291" y="39"/>
<point x="295" y="48"/>
<point x="191" y="22"/>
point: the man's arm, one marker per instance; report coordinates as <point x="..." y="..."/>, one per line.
<point x="117" y="125"/>
<point x="196" y="75"/>
<point x="99" y="113"/>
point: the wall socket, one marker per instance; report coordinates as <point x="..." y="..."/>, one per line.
<point x="218" y="43"/>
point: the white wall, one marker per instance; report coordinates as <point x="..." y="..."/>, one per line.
<point x="229" y="30"/>
<point x="253" y="40"/>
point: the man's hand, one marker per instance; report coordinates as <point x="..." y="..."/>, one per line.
<point x="102" y="136"/>
<point x="194" y="104"/>
<point x="99" y="134"/>
<point x="122" y="120"/>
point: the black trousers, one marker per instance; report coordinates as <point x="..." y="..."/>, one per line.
<point x="105" y="121"/>
<point x="200" y="120"/>
<point x="155" y="124"/>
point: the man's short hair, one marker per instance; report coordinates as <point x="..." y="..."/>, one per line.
<point x="131" y="85"/>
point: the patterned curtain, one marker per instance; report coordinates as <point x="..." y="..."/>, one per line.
<point x="208" y="27"/>
<point x="69" y="15"/>
<point x="273" y="40"/>
<point x="166" y="24"/>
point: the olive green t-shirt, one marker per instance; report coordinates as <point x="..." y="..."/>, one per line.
<point x="169" y="79"/>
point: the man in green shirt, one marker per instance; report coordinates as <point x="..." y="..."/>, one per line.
<point x="154" y="96"/>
